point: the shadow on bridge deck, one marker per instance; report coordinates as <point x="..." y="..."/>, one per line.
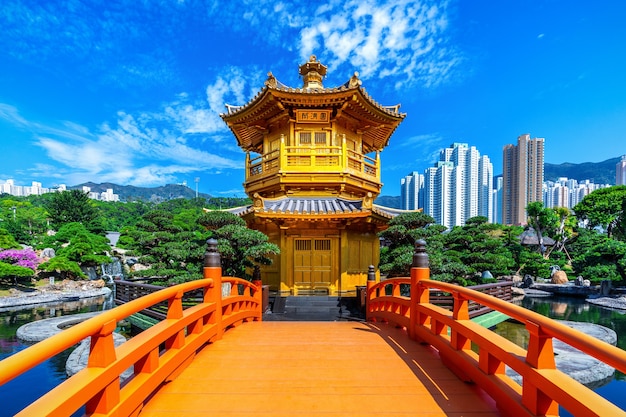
<point x="318" y="368"/>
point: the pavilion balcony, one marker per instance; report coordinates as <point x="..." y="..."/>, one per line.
<point x="323" y="164"/>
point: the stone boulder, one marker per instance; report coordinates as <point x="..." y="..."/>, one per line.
<point x="559" y="277"/>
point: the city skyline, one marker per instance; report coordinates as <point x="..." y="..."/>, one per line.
<point x="457" y="188"/>
<point x="130" y="93"/>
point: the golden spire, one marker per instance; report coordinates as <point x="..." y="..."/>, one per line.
<point x="313" y="72"/>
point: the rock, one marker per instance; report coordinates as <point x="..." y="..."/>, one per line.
<point x="47" y="253"/>
<point x="586" y="283"/>
<point x="579" y="280"/>
<point x="605" y="287"/>
<point x="559" y="277"/>
<point x="138" y="267"/>
<point x="527" y="282"/>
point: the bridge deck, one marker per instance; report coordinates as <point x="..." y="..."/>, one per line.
<point x="318" y="368"/>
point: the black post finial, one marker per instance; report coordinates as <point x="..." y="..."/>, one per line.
<point x="371" y="273"/>
<point x="212" y="256"/>
<point x="420" y="257"/>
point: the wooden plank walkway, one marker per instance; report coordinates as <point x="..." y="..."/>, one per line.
<point x="318" y="368"/>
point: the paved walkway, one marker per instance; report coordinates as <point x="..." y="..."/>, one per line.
<point x="318" y="368"/>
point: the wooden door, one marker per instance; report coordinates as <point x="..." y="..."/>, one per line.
<point x="313" y="263"/>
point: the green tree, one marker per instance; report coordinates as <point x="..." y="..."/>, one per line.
<point x="75" y="246"/>
<point x="472" y="249"/>
<point x="63" y="267"/>
<point x="605" y="208"/>
<point x="241" y="248"/>
<point x="7" y="241"/>
<point x="74" y="206"/>
<point x="10" y="272"/>
<point x="565" y="230"/>
<point x="116" y="215"/>
<point x="598" y="257"/>
<point x="169" y="251"/>
<point x="543" y="220"/>
<point x="398" y="241"/>
<point x="213" y="220"/>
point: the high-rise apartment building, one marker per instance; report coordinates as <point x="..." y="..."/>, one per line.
<point x="411" y="191"/>
<point x="457" y="188"/>
<point x="620" y="172"/>
<point x="566" y="192"/>
<point x="497" y="201"/>
<point x="522" y="177"/>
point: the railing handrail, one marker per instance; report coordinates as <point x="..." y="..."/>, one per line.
<point x="156" y="355"/>
<point x="543" y="386"/>
<point x="27" y="359"/>
<point x="607" y="353"/>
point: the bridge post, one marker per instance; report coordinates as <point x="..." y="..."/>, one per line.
<point x="258" y="294"/>
<point x="213" y="293"/>
<point x="371" y="281"/>
<point x="420" y="270"/>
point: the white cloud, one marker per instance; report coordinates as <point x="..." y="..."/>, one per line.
<point x="149" y="148"/>
<point x="406" y="40"/>
<point x="12" y="116"/>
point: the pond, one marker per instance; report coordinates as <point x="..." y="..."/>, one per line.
<point x="577" y="309"/>
<point x="17" y="394"/>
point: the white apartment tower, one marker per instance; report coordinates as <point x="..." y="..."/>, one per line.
<point x="458" y="187"/>
<point x="620" y="172"/>
<point x="411" y="195"/>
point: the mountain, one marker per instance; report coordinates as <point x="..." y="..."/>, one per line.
<point x="598" y="172"/>
<point x="389" y="201"/>
<point x="155" y="194"/>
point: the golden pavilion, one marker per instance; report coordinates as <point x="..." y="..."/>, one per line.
<point x="313" y="172"/>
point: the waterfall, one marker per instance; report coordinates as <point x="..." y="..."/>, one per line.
<point x="112" y="271"/>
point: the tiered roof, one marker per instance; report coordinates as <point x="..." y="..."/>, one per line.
<point x="250" y="121"/>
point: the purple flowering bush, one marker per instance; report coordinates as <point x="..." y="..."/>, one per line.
<point x="26" y="258"/>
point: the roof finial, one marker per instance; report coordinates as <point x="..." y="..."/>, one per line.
<point x="313" y="72"/>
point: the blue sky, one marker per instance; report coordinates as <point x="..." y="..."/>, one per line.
<point x="130" y="92"/>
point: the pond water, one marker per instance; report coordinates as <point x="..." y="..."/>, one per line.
<point x="577" y="309"/>
<point x="17" y="394"/>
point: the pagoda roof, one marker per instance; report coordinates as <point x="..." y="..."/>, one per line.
<point x="250" y="121"/>
<point x="315" y="207"/>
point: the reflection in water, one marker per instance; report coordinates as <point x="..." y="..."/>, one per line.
<point x="576" y="309"/>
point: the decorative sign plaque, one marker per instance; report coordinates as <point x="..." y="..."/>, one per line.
<point x="312" y="116"/>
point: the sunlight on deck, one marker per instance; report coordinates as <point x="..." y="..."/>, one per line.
<point x="318" y="368"/>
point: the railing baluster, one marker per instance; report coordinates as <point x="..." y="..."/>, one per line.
<point x="213" y="293"/>
<point x="101" y="355"/>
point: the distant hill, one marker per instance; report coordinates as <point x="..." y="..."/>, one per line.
<point x="155" y="194"/>
<point x="598" y="172"/>
<point x="389" y="201"/>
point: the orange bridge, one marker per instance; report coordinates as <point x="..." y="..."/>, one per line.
<point x="213" y="355"/>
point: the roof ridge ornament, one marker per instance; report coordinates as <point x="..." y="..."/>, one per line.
<point x="313" y="72"/>
<point x="354" y="80"/>
<point x="271" y="80"/>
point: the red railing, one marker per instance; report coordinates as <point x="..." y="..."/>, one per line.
<point x="156" y="355"/>
<point x="478" y="354"/>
